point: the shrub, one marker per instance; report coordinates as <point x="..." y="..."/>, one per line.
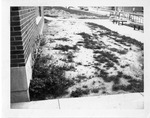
<point x="40" y="67"/>
<point x="117" y="87"/>
<point x="48" y="80"/>
<point x="42" y="42"/>
<point x="36" y="89"/>
<point x="135" y="86"/>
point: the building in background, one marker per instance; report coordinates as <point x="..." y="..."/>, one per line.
<point x="26" y="25"/>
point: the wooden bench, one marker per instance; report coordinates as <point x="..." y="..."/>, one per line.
<point x="138" y="26"/>
<point x="119" y="21"/>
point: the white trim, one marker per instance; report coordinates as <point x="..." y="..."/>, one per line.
<point x="38" y="20"/>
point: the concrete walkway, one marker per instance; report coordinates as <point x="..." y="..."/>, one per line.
<point x="119" y="101"/>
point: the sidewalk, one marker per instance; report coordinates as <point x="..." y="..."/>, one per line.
<point x="119" y="101"/>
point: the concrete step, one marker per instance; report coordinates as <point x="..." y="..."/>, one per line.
<point x="119" y="101"/>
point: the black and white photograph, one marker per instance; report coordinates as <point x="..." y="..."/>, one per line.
<point x="77" y="57"/>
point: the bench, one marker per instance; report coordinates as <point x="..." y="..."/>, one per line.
<point x="119" y="21"/>
<point x="138" y="26"/>
<point x="116" y="20"/>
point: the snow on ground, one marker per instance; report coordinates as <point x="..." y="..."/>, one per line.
<point x="102" y="64"/>
<point x="122" y="29"/>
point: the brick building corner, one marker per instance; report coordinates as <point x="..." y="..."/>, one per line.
<point x="26" y="25"/>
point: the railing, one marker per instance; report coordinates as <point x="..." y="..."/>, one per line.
<point x="133" y="17"/>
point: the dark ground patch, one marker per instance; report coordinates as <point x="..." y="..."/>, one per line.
<point x="65" y="47"/>
<point x="125" y="40"/>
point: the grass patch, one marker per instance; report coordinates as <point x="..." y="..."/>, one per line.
<point x="80" y="43"/>
<point x="130" y="40"/>
<point x="93" y="82"/>
<point x="62" y="39"/>
<point x="85" y="86"/>
<point x="125" y="40"/>
<point x="100" y="58"/>
<point x="95" y="90"/>
<point x="89" y="41"/>
<point x="118" y="51"/>
<point x="109" y="64"/>
<point x="81" y="77"/>
<point x="85" y="35"/>
<point x="46" y="21"/>
<point x="65" y="47"/>
<point x="106" y="57"/>
<point x="117" y="87"/>
<point x="96" y="51"/>
<point x="123" y="66"/>
<point x="70" y="57"/>
<point x="114" y="78"/>
<point x="103" y="74"/>
<point x="134" y="86"/>
<point x="137" y="85"/>
<point x="79" y="92"/>
<point x="53" y="16"/>
<point x="94" y="26"/>
<point x="79" y="63"/>
<point x="67" y="67"/>
<point x="87" y="17"/>
<point x="110" y="56"/>
<point x="128" y="77"/>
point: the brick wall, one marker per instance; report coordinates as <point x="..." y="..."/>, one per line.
<point x="24" y="32"/>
